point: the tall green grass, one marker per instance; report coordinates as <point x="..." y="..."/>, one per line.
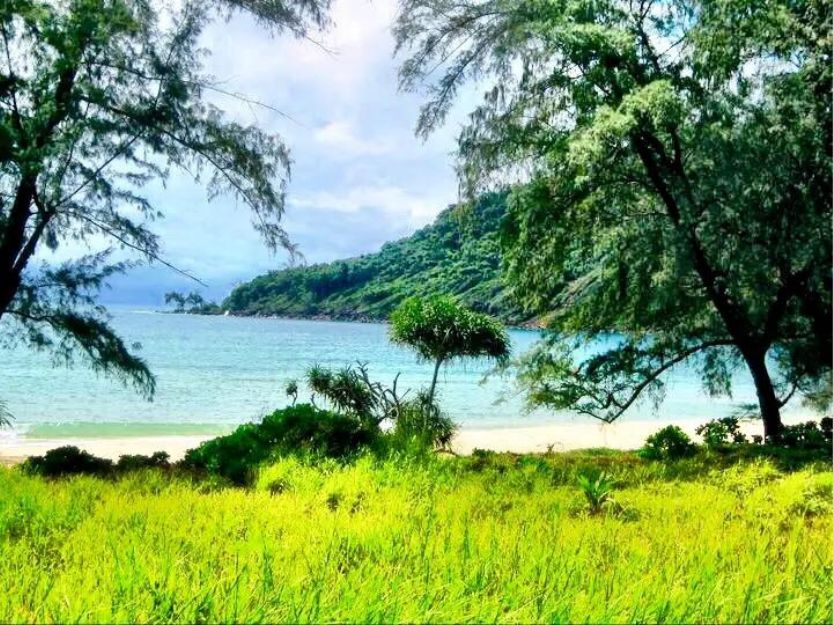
<point x="498" y="539"/>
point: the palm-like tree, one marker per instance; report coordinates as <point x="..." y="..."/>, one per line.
<point x="440" y="330"/>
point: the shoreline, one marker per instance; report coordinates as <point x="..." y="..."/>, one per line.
<point x="533" y="325"/>
<point x="538" y="438"/>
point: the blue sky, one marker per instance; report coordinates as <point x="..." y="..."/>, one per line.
<point x="359" y="175"/>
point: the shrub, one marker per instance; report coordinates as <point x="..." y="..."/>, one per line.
<point x="68" y="460"/>
<point x="669" y="443"/>
<point x="422" y="419"/>
<point x="806" y="435"/>
<point x="418" y="424"/>
<point x="350" y="390"/>
<point x="826" y="426"/>
<point x="719" y="433"/>
<point x="158" y="460"/>
<point x="291" y="391"/>
<point x="298" y="429"/>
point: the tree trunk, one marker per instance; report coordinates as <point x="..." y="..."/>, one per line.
<point x="8" y="289"/>
<point x="434" y="380"/>
<point x="767" y="400"/>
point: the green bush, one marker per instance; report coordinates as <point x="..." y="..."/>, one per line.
<point x="422" y="420"/>
<point x="719" y="433"/>
<point x="669" y="443"/>
<point x="158" y="460"/>
<point x="297" y="429"/>
<point x="68" y="460"/>
<point x="806" y="435"/>
<point x="598" y="492"/>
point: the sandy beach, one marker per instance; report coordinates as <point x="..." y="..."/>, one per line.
<point x="532" y="438"/>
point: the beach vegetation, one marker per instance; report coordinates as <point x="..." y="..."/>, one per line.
<point x="669" y="443"/>
<point x="133" y="462"/>
<point x="68" y="460"/>
<point x="661" y="189"/>
<point x="350" y="390"/>
<point x="718" y="433"/>
<point x="302" y="428"/>
<point x="598" y="491"/>
<point x="291" y="391"/>
<point x="440" y="330"/>
<point x="422" y="423"/>
<point x="809" y="435"/>
<point x="416" y="539"/>
<point x="412" y="421"/>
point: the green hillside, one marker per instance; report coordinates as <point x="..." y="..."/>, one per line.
<point x="458" y="254"/>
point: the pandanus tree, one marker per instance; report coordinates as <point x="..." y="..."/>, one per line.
<point x="441" y="330"/>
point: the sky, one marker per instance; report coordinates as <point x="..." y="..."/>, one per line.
<point x="359" y="176"/>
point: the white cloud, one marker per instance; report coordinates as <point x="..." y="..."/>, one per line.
<point x="340" y="137"/>
<point x="394" y="201"/>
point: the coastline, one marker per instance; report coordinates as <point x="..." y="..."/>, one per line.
<point x="346" y="317"/>
<point x="538" y="438"/>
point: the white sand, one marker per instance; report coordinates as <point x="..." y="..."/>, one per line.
<point x="574" y="435"/>
<point x="532" y="438"/>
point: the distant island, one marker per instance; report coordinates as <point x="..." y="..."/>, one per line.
<point x="458" y="254"/>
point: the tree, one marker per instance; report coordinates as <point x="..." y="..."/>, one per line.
<point x="194" y="299"/>
<point x="177" y="298"/>
<point x="98" y="98"/>
<point x="440" y="330"/>
<point x="674" y="168"/>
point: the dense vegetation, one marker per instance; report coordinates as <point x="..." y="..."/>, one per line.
<point x="488" y="538"/>
<point x="319" y="514"/>
<point x="459" y="254"/>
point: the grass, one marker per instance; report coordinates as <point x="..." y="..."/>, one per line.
<point x="488" y="538"/>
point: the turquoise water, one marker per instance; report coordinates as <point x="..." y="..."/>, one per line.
<point x="216" y="372"/>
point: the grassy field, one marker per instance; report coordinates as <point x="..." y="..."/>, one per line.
<point x="496" y="538"/>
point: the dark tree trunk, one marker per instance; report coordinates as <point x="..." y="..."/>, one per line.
<point x="767" y="400"/>
<point x="434" y="379"/>
<point x="13" y="240"/>
<point x="8" y="289"/>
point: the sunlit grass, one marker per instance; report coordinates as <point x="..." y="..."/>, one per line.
<point x="437" y="540"/>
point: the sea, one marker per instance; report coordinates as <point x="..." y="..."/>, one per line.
<point x="216" y="372"/>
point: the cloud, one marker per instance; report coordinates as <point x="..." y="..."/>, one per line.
<point x="340" y="137"/>
<point x="394" y="201"/>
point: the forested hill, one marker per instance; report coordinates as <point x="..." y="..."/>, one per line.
<point x="458" y="254"/>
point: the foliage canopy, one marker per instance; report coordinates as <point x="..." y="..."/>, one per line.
<point x="439" y="330"/>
